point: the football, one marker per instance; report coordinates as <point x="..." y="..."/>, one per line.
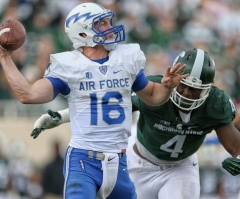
<point x="12" y="35"/>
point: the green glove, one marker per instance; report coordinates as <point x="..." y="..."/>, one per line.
<point x="232" y="165"/>
<point x="56" y="117"/>
<point x="46" y="121"/>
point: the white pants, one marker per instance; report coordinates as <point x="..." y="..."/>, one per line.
<point x="155" y="182"/>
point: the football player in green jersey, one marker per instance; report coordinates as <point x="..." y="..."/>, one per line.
<point x="163" y="163"/>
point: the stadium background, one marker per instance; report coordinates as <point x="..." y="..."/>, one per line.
<point x="163" y="28"/>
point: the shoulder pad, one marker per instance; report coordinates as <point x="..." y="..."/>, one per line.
<point x="128" y="47"/>
<point x="61" y="65"/>
<point x="220" y="105"/>
<point x="62" y="56"/>
<point x="128" y="50"/>
<point x="131" y="55"/>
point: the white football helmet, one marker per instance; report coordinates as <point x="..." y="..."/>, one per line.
<point x="81" y="20"/>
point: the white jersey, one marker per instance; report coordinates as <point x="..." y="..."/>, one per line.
<point x="100" y="105"/>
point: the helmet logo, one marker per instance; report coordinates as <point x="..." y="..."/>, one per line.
<point x="194" y="80"/>
<point x="177" y="58"/>
<point x="182" y="54"/>
<point x="77" y="17"/>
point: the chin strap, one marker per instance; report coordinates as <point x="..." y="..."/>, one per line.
<point x="110" y="47"/>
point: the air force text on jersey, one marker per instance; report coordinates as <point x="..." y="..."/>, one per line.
<point x="103" y="84"/>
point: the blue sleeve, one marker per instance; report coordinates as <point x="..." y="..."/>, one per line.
<point x="140" y="82"/>
<point x="59" y="86"/>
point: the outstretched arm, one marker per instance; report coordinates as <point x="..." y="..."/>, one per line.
<point x="50" y="120"/>
<point x="40" y="92"/>
<point x="229" y="137"/>
<point x="155" y="94"/>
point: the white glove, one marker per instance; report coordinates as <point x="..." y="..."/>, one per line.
<point x="50" y="120"/>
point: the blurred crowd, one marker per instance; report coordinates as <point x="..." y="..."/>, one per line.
<point x="163" y="28"/>
<point x="20" y="178"/>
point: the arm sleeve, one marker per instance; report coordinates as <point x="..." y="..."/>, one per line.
<point x="58" y="76"/>
<point x="136" y="101"/>
<point x="56" y="70"/>
<point x="140" y="82"/>
<point x="59" y="86"/>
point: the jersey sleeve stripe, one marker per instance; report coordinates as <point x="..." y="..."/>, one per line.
<point x="59" y="86"/>
<point x="140" y="82"/>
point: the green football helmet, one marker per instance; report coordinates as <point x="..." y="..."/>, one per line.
<point x="201" y="68"/>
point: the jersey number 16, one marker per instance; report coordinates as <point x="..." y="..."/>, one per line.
<point x="107" y="108"/>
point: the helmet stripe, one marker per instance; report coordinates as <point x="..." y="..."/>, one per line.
<point x="198" y="64"/>
<point x="76" y="17"/>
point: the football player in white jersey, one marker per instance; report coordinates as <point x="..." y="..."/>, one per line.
<point x="96" y="78"/>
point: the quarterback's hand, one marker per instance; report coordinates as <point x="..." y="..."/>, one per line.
<point x="232" y="165"/>
<point x="4" y="53"/>
<point x="173" y="76"/>
<point x="46" y="121"/>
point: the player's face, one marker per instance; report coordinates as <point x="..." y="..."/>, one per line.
<point x="188" y="92"/>
<point x="102" y="25"/>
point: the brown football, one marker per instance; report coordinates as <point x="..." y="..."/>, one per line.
<point x="12" y="35"/>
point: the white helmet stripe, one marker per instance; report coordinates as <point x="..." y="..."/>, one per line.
<point x="198" y="64"/>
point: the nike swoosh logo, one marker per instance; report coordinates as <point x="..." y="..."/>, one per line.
<point x="192" y="127"/>
<point x="109" y="159"/>
<point x="124" y="169"/>
<point x="115" y="72"/>
<point x="194" y="164"/>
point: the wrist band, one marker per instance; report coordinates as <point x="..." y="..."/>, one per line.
<point x="65" y="115"/>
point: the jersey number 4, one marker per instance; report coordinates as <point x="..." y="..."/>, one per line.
<point x="178" y="140"/>
<point x="107" y="108"/>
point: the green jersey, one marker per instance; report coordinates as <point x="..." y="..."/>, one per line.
<point x="163" y="133"/>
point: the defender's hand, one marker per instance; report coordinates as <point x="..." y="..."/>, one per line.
<point x="232" y="165"/>
<point x="173" y="76"/>
<point x="46" y="121"/>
